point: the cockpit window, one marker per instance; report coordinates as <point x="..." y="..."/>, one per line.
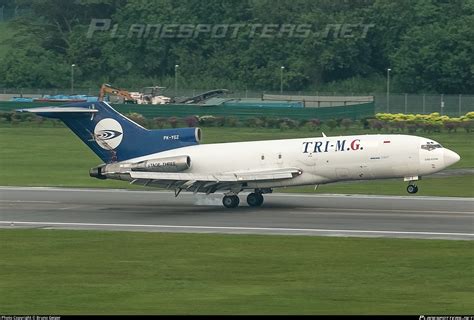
<point x="431" y="146"/>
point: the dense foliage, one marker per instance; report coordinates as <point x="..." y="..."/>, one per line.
<point x="427" y="44"/>
<point x="385" y="122"/>
<point x="433" y="122"/>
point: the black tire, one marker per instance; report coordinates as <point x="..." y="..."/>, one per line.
<point x="230" y="201"/>
<point x="255" y="199"/>
<point x="412" y="188"/>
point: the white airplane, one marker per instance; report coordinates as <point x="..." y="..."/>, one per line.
<point x="174" y="159"/>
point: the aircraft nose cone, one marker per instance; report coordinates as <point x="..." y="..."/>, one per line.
<point x="450" y="157"/>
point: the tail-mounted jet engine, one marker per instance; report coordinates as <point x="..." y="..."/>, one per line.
<point x="97" y="172"/>
<point x="168" y="164"/>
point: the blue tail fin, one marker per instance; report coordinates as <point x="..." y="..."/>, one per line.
<point x="112" y="136"/>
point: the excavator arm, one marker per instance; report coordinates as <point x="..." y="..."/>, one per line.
<point x="108" y="89"/>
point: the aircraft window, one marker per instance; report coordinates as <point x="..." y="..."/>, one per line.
<point x="431" y="146"/>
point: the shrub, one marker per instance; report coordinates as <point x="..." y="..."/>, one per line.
<point x="26" y="117"/>
<point x="191" y="121"/>
<point x="38" y="120"/>
<point x="219" y="121"/>
<point x="272" y="123"/>
<point x="284" y="126"/>
<point x="399" y="125"/>
<point x="136" y="117"/>
<point x="231" y="121"/>
<point x="433" y="122"/>
<point x="290" y="123"/>
<point x="207" y="120"/>
<point x="452" y="125"/>
<point x="6" y="115"/>
<point x="365" y="123"/>
<point x="173" y="121"/>
<point x="15" y="119"/>
<point x="331" y="124"/>
<point x="375" y="124"/>
<point x="294" y="124"/>
<point x="264" y="120"/>
<point x="429" y="127"/>
<point x="346" y="123"/>
<point x="470" y="115"/>
<point x="412" y="127"/>
<point x="313" y="124"/>
<point x="302" y="123"/>
<point x="159" y="122"/>
<point x="254" y="122"/>
<point x="467" y="125"/>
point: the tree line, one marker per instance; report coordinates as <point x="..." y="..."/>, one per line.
<point x="317" y="45"/>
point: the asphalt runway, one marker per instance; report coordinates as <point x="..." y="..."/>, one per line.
<point x="281" y="214"/>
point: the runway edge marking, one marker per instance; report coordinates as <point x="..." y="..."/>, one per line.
<point x="282" y="194"/>
<point x="81" y="224"/>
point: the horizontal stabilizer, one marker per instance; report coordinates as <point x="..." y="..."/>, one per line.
<point x="54" y="112"/>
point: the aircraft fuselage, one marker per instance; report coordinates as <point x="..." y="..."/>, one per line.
<point x="321" y="159"/>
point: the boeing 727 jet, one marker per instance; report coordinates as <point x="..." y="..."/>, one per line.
<point x="174" y="159"/>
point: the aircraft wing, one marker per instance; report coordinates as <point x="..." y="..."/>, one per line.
<point x="209" y="183"/>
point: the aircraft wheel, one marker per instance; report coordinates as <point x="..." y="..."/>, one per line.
<point x="412" y="188"/>
<point x="255" y="199"/>
<point x="230" y="201"/>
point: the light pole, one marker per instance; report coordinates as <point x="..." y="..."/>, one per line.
<point x="176" y="66"/>
<point x="281" y="79"/>
<point x="388" y="89"/>
<point x="72" y="78"/>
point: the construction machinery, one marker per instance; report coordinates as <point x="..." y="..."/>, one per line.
<point x="147" y="95"/>
<point x="151" y="95"/>
<point x="124" y="94"/>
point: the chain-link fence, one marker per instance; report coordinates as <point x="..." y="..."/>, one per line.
<point x="452" y="104"/>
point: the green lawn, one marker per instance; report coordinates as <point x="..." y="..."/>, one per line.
<point x="46" y="156"/>
<point x="92" y="272"/>
<point x="458" y="186"/>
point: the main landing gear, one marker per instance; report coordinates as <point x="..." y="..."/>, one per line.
<point x="412" y="188"/>
<point x="254" y="199"/>
<point x="231" y="201"/>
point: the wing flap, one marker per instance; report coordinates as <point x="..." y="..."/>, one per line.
<point x="172" y="176"/>
<point x="242" y="176"/>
